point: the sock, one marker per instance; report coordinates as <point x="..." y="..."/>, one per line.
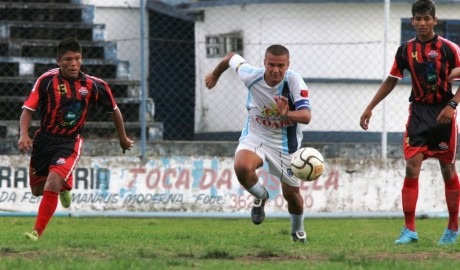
<point x="409" y="201"/>
<point x="258" y="191"/>
<point x="452" y="189"/>
<point x="46" y="210"/>
<point x="297" y="223"/>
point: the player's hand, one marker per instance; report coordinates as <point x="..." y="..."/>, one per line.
<point x="25" y="144"/>
<point x="282" y="105"/>
<point x="364" y="120"/>
<point x="445" y="116"/>
<point x="126" y="144"/>
<point x="211" y="80"/>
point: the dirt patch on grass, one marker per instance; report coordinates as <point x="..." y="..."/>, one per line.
<point x="413" y="256"/>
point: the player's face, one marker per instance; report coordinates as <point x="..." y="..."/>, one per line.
<point x="424" y="25"/>
<point x="275" y="68"/>
<point x="70" y="64"/>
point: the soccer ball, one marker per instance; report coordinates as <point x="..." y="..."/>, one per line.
<point x="307" y="164"/>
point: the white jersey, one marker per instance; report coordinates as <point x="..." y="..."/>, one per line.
<point x="263" y="122"/>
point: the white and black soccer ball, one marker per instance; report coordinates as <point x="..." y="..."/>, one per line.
<point x="307" y="164"/>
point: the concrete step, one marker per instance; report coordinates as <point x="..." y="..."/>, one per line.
<point x="43" y="1"/>
<point x="48" y="11"/>
<point x="52" y="30"/>
<point x="93" y="130"/>
<point x="21" y="86"/>
<point x="47" y="48"/>
<point x="10" y="109"/>
<point x="33" y="66"/>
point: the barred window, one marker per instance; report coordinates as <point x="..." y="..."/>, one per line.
<point x="449" y="29"/>
<point x="220" y="45"/>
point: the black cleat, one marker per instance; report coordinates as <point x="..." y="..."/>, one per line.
<point x="257" y="211"/>
<point x="299" y="236"/>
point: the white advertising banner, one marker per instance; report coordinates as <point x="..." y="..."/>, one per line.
<point x="184" y="185"/>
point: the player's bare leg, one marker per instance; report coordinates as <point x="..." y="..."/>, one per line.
<point x="295" y="207"/>
<point x="246" y="164"/>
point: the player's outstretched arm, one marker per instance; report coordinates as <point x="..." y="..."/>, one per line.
<point x="212" y="78"/>
<point x="125" y="142"/>
<point x="387" y="86"/>
<point x="24" y="142"/>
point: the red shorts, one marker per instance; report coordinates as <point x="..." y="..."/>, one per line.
<point x="424" y="136"/>
<point x="57" y="154"/>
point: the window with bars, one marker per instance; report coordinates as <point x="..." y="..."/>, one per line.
<point x="449" y="29"/>
<point x="220" y="45"/>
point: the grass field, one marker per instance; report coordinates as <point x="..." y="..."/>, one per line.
<point x="175" y="243"/>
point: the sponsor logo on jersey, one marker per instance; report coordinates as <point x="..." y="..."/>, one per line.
<point x="271" y="118"/>
<point x="71" y="114"/>
<point x="274" y="123"/>
<point x="270" y="112"/>
<point x="304" y="93"/>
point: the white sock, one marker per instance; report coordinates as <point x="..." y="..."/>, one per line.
<point x="258" y="191"/>
<point x="297" y="223"/>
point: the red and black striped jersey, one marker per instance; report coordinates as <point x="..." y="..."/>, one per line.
<point x="429" y="64"/>
<point x="64" y="104"/>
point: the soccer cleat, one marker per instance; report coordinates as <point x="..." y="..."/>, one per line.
<point x="448" y="238"/>
<point x="257" y="211"/>
<point x="33" y="235"/>
<point x="65" y="198"/>
<point x="299" y="236"/>
<point x="407" y="236"/>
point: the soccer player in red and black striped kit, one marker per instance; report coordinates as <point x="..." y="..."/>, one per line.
<point x="64" y="96"/>
<point x="431" y="129"/>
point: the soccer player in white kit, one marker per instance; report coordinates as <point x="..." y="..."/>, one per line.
<point x="277" y="101"/>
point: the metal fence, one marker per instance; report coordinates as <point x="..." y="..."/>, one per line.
<point x="343" y="49"/>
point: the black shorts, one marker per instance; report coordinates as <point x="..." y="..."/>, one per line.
<point x="51" y="151"/>
<point x="422" y="128"/>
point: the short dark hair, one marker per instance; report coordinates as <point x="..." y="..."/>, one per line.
<point x="277" y="50"/>
<point x="66" y="45"/>
<point x="424" y="6"/>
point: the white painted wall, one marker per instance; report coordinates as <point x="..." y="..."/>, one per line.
<point x="123" y="25"/>
<point x="332" y="40"/>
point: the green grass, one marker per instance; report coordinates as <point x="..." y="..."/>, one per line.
<point x="168" y="243"/>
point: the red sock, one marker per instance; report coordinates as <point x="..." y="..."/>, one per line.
<point x="409" y="201"/>
<point x="46" y="210"/>
<point x="452" y="189"/>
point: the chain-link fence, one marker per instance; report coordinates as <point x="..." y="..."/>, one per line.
<point x="343" y="49"/>
<point x="110" y="39"/>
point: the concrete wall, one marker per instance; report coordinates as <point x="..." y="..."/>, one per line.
<point x="207" y="186"/>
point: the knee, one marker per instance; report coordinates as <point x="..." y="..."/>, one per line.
<point x="37" y="191"/>
<point x="243" y="171"/>
<point x="412" y="170"/>
<point x="448" y="172"/>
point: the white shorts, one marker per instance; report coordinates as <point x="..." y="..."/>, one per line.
<point x="279" y="164"/>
